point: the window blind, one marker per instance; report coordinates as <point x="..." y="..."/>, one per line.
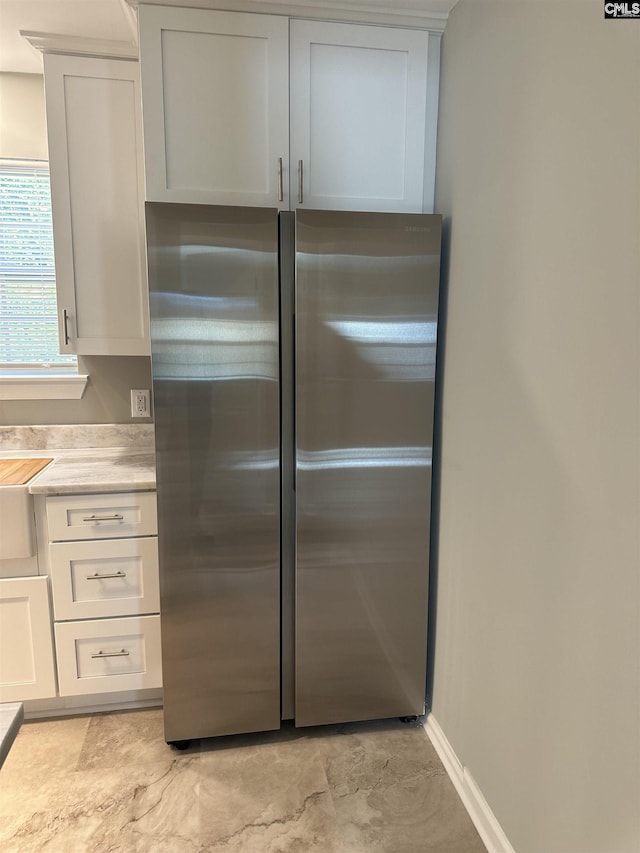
<point x="28" y="308"/>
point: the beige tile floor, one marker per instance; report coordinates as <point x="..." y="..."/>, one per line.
<point x="108" y="782"/>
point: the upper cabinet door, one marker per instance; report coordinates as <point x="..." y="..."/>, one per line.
<point x="216" y="107"/>
<point x="358" y="102"/>
<point x="94" y="126"/>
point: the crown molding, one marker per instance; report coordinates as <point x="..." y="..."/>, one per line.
<point x="131" y="18"/>
<point x="78" y="46"/>
<point x="325" y="10"/>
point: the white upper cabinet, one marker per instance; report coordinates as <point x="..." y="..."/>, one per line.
<point x="358" y="100"/>
<point x="97" y="192"/>
<point x="253" y="109"/>
<point x="216" y="106"/>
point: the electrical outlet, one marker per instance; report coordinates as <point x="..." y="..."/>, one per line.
<point x="140" y="404"/>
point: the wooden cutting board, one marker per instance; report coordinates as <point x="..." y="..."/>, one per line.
<point x="17" y="472"/>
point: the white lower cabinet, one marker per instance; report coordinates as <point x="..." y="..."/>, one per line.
<point x="105" y="655"/>
<point x="103" y="554"/>
<point x="27" y="669"/>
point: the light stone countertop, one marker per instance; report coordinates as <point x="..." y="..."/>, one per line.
<point x="96" y="471"/>
<point x="11" y="717"/>
<point x="86" y="457"/>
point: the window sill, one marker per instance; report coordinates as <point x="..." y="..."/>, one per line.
<point x="38" y="386"/>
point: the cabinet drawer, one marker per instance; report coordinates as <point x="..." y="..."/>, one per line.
<point x="104" y="516"/>
<point x="96" y="578"/>
<point x="108" y="655"/>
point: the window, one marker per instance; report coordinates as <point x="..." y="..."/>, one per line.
<point x="28" y="310"/>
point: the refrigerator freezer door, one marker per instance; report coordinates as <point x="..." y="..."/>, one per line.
<point x="213" y="281"/>
<point x="366" y="315"/>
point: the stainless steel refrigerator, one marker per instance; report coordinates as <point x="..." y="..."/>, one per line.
<point x="293" y="362"/>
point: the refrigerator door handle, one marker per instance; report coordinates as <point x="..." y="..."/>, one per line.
<point x="280" y="184"/>
<point x="293" y="392"/>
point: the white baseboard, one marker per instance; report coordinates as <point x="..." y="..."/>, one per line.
<point x="95" y="703"/>
<point x="480" y="813"/>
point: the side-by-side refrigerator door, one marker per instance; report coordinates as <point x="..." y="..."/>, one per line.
<point x="213" y="281"/>
<point x="366" y="304"/>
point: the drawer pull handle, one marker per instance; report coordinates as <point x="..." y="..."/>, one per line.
<point x="115" y="517"/>
<point x="97" y="577"/>
<point x="123" y="653"/>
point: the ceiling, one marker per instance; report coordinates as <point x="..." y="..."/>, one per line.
<point x="114" y="20"/>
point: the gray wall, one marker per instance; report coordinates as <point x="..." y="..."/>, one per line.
<point x="23" y="129"/>
<point x="106" y="399"/>
<point x="537" y="641"/>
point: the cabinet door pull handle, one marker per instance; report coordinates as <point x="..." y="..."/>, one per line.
<point x="97" y="577"/>
<point x="300" y="182"/>
<point x="280" y="184"/>
<point x="65" y="323"/>
<point x="115" y="517"/>
<point x="123" y="653"/>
